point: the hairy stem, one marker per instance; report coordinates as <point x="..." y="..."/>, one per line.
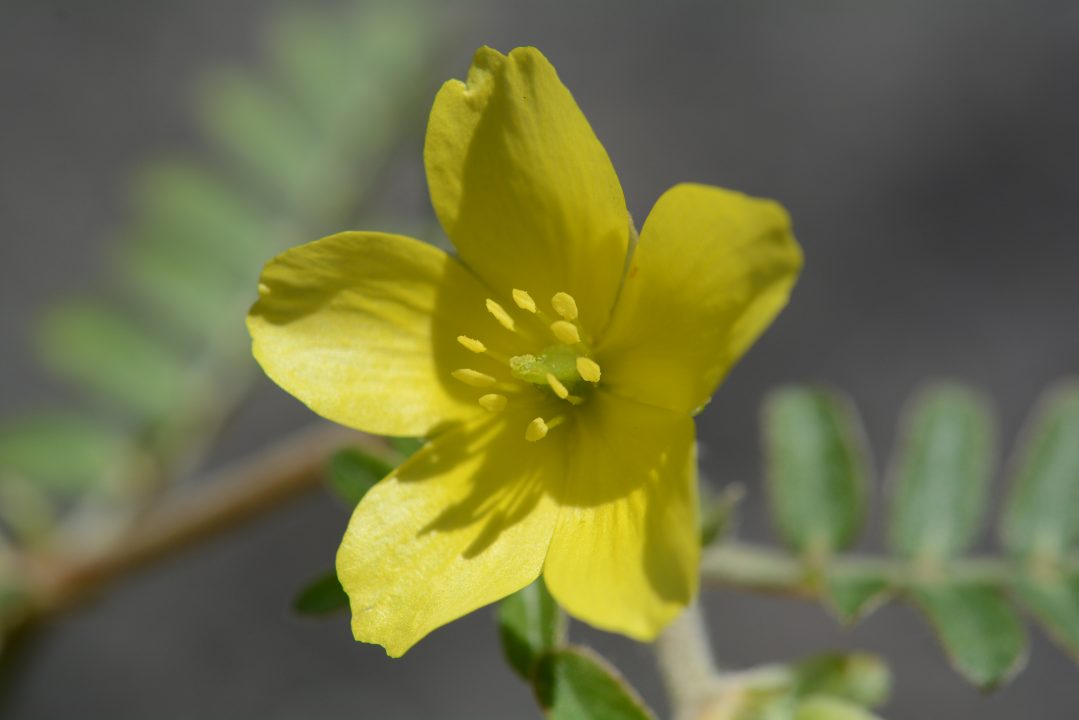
<point x="759" y="568"/>
<point x="686" y="663"/>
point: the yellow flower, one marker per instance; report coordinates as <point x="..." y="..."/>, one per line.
<point x="557" y="382"/>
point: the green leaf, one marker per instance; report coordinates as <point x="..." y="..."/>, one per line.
<point x="322" y="596"/>
<point x="980" y="632"/>
<point x="1040" y="517"/>
<point x="717" y="513"/>
<point x="816" y="468"/>
<point x="1055" y="605"/>
<point x="529" y="624"/>
<point x="763" y="701"/>
<point x="261" y="128"/>
<point x="94" y="346"/>
<point x="406" y="447"/>
<point x="859" y="677"/>
<point x="180" y="294"/>
<point x="310" y="50"/>
<point x="61" y="452"/>
<point x="852" y="593"/>
<point x="345" y="66"/>
<point x="943" y="468"/>
<point x="197" y="215"/>
<point x="194" y="248"/>
<point x="353" y="472"/>
<point x="823" y="707"/>
<point x="574" y="683"/>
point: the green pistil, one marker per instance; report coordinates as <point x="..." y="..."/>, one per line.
<point x="558" y="360"/>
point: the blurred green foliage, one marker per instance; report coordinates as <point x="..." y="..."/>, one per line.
<point x="159" y="358"/>
<point x="942" y="467"/>
<point x="323" y="596"/>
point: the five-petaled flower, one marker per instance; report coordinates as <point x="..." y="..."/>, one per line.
<point x="556" y="382"/>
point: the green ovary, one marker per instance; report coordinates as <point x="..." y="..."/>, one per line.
<point x="558" y="360"/>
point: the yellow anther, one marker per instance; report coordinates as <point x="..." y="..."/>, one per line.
<point x="500" y="314"/>
<point x="524" y="301"/>
<point x="493" y="402"/>
<point x="556" y="385"/>
<point x="472" y="344"/>
<point x="588" y="369"/>
<point x="473" y="378"/>
<point x="566" y="332"/>
<point x="565" y="305"/>
<point x="536" y="430"/>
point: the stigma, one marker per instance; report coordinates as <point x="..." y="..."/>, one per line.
<point x="561" y="369"/>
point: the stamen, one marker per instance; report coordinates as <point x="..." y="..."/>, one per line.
<point x="536" y="430"/>
<point x="574" y="400"/>
<point x="473" y="378"/>
<point x="524" y="301"/>
<point x="588" y="369"/>
<point x="500" y="314"/>
<point x="493" y="402"/>
<point x="556" y="385"/>
<point x="472" y="344"/>
<point x="566" y="332"/>
<point x="565" y="305"/>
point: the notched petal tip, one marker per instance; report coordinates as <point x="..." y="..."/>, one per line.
<point x="528" y="56"/>
<point x="485" y="64"/>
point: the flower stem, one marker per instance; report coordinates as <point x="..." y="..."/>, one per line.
<point x="686" y="663"/>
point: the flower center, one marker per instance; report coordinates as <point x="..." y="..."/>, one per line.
<point x="562" y="367"/>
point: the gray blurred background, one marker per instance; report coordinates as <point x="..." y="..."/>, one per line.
<point x="928" y="153"/>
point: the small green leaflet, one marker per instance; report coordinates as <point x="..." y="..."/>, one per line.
<point x="816" y="468"/>
<point x="1040" y="517"/>
<point x="573" y="683"/>
<point x="858" y="677"/>
<point x="62" y="453"/>
<point x="103" y="350"/>
<point x="353" y="472"/>
<point x="1055" y="604"/>
<point x="852" y="593"/>
<point x="406" y="446"/>
<point x="530" y="624"/>
<point x="322" y="596"/>
<point x="718" y="513"/>
<point x="945" y="459"/>
<point x="193" y="249"/>
<point x="981" y="633"/>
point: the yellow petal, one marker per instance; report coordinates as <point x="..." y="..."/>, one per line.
<point x="711" y="271"/>
<point x="463" y="523"/>
<point x="363" y="328"/>
<point x="625" y="551"/>
<point x="522" y="186"/>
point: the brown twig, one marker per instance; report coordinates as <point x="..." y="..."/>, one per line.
<point x="239" y="492"/>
